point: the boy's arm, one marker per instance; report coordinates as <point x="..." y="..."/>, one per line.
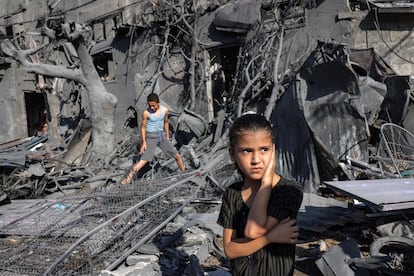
<point x="144" y="120"/>
<point x="166" y="124"/>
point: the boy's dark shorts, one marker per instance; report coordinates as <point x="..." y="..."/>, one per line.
<point x="159" y="139"/>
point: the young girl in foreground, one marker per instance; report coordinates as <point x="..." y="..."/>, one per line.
<point x="258" y="214"/>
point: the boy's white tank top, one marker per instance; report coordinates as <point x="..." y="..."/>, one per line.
<point x="156" y="123"/>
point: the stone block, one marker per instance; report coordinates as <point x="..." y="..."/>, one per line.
<point x="360" y="40"/>
<point x="374" y="36"/>
<point x="98" y="32"/>
<point x="405" y="69"/>
<point x="399" y="36"/>
<point x="142" y="259"/>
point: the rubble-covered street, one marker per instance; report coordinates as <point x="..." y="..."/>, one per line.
<point x="334" y="78"/>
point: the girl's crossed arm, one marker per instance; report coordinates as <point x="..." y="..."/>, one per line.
<point x="285" y="232"/>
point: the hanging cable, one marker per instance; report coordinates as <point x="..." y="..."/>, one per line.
<point x="377" y="27"/>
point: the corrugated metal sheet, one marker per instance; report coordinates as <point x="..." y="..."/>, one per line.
<point x="393" y="6"/>
<point x="379" y="194"/>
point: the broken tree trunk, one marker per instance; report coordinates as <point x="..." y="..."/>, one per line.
<point x="103" y="106"/>
<point x="102" y="102"/>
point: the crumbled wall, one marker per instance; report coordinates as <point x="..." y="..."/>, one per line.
<point x="392" y="36"/>
<point x="12" y="106"/>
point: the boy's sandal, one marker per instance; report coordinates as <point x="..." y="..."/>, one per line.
<point x="126" y="180"/>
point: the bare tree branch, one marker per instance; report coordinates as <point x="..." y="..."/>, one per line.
<point x="42" y="69"/>
<point x="275" y="90"/>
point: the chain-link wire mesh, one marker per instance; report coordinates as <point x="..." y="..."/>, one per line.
<point x="84" y="235"/>
<point x="396" y="150"/>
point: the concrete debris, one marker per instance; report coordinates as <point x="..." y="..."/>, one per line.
<point x="248" y="13"/>
<point x="333" y="262"/>
<point x="397" y="229"/>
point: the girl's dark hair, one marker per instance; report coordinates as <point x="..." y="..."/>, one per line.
<point x="153" y="98"/>
<point x="248" y="122"/>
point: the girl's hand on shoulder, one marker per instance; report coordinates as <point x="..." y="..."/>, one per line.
<point x="285" y="232"/>
<point x="267" y="179"/>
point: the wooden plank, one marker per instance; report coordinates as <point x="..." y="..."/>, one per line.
<point x="77" y="144"/>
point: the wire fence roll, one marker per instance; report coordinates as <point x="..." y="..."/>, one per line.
<point x="84" y="235"/>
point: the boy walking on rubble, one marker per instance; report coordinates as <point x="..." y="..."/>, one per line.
<point x="154" y="132"/>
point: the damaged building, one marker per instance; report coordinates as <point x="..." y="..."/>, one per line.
<point x="333" y="77"/>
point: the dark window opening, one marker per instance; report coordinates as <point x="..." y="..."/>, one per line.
<point x="3" y="68"/>
<point x="9" y="31"/>
<point x="36" y="111"/>
<point x="223" y="68"/>
<point x="104" y="65"/>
